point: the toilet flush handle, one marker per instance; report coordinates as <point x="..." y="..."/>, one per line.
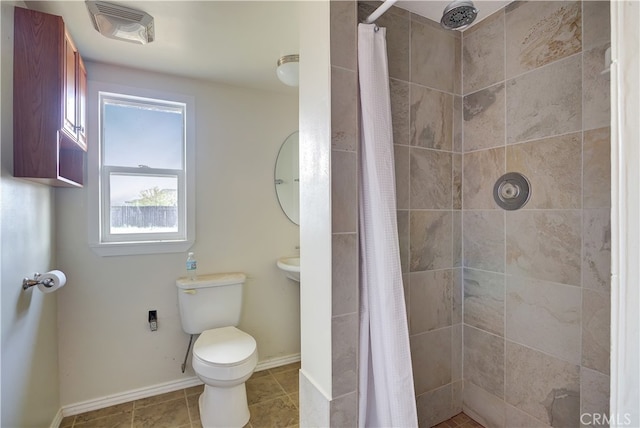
<point x="189" y="291"/>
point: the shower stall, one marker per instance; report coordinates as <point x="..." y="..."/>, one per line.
<point x="508" y="311"/>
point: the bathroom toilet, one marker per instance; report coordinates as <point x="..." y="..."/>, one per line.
<point x="224" y="357"/>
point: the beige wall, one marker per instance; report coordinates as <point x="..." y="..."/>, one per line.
<point x="30" y="394"/>
<point x="105" y="343"/>
<point x="536" y="281"/>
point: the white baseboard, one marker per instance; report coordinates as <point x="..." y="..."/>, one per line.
<point x="125" y="397"/>
<point x="57" y="419"/>
<point x="277" y="362"/>
<point x="150" y="391"/>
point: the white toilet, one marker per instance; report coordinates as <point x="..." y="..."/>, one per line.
<point x="224" y="357"/>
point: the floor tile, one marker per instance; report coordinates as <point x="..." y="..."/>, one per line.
<point x="170" y="414"/>
<point x="100" y="413"/>
<point x="276" y="413"/>
<point x="263" y="388"/>
<point x="119" y="420"/>
<point x="194" y="390"/>
<point x="289" y="381"/>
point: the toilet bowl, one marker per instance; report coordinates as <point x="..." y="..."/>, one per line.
<point x="224" y="358"/>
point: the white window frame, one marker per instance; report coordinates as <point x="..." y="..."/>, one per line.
<point x="101" y="241"/>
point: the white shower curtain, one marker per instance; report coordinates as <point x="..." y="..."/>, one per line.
<point x="386" y="379"/>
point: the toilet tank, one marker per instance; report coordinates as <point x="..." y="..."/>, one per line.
<point x="210" y="301"/>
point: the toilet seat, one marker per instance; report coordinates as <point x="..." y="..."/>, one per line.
<point x="224" y="354"/>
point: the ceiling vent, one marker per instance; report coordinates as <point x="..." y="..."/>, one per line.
<point x="121" y="23"/>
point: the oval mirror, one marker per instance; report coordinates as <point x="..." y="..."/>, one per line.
<point x="287" y="178"/>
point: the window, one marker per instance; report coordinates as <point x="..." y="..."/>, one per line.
<point x="143" y="171"/>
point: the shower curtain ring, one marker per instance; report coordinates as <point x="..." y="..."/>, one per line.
<point x="376" y="28"/>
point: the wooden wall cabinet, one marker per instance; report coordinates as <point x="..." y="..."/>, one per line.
<point x="49" y="101"/>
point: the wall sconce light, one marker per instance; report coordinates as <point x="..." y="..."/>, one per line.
<point x="121" y="23"/>
<point x="287" y="69"/>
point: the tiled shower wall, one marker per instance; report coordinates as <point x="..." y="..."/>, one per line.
<point x="521" y="91"/>
<point x="425" y="86"/>
<point x="343" y="409"/>
<point x="536" y="281"/>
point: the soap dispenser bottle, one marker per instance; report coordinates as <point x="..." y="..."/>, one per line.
<point x="192" y="267"/>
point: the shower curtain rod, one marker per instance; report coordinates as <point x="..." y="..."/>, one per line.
<point x="379" y="11"/>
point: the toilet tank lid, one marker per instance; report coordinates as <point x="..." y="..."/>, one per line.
<point x="211" y="280"/>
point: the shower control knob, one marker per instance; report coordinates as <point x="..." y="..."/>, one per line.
<point x="512" y="191"/>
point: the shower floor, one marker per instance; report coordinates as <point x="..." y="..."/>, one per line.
<point x="459" y="421"/>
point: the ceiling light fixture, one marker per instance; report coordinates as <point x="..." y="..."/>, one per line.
<point x="287" y="69"/>
<point x="121" y="23"/>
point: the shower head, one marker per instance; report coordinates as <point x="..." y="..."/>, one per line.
<point x="458" y="15"/>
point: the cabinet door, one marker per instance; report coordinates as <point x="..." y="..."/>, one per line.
<point x="82" y="104"/>
<point x="70" y="86"/>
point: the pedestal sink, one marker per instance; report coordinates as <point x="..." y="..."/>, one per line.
<point x="290" y="266"/>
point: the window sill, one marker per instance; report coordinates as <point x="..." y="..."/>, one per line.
<point x="109" y="249"/>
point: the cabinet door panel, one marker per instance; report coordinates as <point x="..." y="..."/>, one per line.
<point x="70" y="85"/>
<point x="82" y="104"/>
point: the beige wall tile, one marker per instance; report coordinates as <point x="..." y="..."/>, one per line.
<point x="457" y="181"/>
<point x="431" y="179"/>
<point x="435" y="406"/>
<point x="403" y="239"/>
<point x="399" y="93"/>
<point x="457" y="124"/>
<point x="344" y="343"/>
<point x="556" y="311"/>
<point x="456" y="400"/>
<point x="544" y="245"/>
<point x="457" y="296"/>
<point x="457" y="238"/>
<point x="344" y="411"/>
<point x="344" y="109"/>
<point x="431" y="243"/>
<point x="430" y="299"/>
<point x="483" y="51"/>
<point x="597" y="23"/>
<point x="484" y="125"/>
<point x="431" y="355"/>
<point x="484" y="300"/>
<point x="433" y="56"/>
<point x="344" y="191"/>
<point x="557" y="87"/>
<point x="481" y="171"/>
<point x="456" y="353"/>
<point x="540" y="32"/>
<point x="520" y="419"/>
<point x="553" y="167"/>
<point x="596" y="336"/>
<point x="484" y="360"/>
<point x="543" y="386"/>
<point x="483" y="240"/>
<point x="594" y="391"/>
<point x="596" y="251"/>
<point x="343" y="33"/>
<point x="484" y="407"/>
<point x="431" y="123"/>
<point x="596" y="191"/>
<point x="344" y="273"/>
<point x="596" y="91"/>
<point x="402" y="162"/>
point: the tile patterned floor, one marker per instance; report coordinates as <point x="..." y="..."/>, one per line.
<point x="272" y="396"/>
<point x="459" y="421"/>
